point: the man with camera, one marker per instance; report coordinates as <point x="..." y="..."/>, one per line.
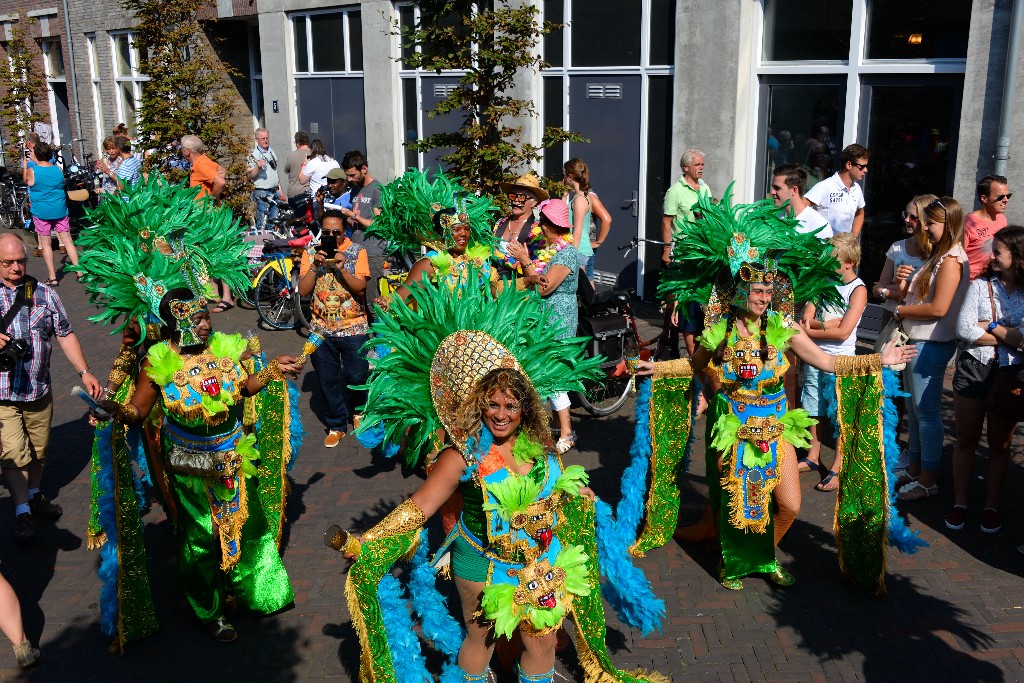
<point x="337" y="280"/>
<point x="262" y="170"/>
<point x="32" y="314"/>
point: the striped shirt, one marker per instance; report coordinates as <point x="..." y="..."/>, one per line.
<point x="30" y="379"/>
<point x="130" y="170"/>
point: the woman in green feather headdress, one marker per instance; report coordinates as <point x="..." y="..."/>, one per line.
<point x="746" y="264"/>
<point x="452" y="224"/>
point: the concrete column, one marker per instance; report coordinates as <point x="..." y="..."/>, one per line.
<point x="278" y="79"/>
<point x="382" y="90"/>
<point x="528" y="87"/>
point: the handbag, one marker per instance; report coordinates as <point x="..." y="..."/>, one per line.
<point x="893" y="331"/>
<point x="1007" y="395"/>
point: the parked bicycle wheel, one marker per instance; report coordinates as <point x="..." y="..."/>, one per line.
<point x="606" y="396"/>
<point x="273" y="299"/>
<point x="301" y="306"/>
<point x="247" y="298"/>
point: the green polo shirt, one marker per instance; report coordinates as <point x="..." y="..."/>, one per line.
<point x="680" y="198"/>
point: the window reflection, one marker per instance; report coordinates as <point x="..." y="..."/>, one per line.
<point x="808" y="30"/>
<point x="918" y="29"/>
<point x="803" y="127"/>
<point x="605" y="33"/>
<point x="328" y="41"/>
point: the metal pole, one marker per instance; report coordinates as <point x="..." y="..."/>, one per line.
<point x="74" y="79"/>
<point x="1013" y="49"/>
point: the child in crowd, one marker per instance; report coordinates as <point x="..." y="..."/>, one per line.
<point x="834" y="330"/>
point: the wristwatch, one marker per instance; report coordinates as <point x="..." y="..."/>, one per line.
<point x="884" y="291"/>
<point x="82" y="373"/>
<point x="992" y="326"/>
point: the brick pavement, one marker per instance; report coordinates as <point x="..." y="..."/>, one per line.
<point x="955" y="610"/>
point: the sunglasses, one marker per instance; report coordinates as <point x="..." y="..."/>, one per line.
<point x="909" y="216"/>
<point x="939" y="204"/>
<point x="1006" y="196"/>
<point x="520" y="196"/>
<point x="862" y="167"/>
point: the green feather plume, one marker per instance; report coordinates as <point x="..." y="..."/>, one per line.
<point x="526" y="450"/>
<point x="700" y="258"/>
<point x="399" y="385"/>
<point x="513" y="494"/>
<point x="574" y="561"/>
<point x="572" y="479"/>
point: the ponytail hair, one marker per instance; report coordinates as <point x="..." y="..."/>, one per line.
<point x="577" y="170"/>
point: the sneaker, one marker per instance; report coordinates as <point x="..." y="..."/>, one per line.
<point x="26" y="655"/>
<point x="357" y="420"/>
<point x="990" y="521"/>
<point x="956" y="518"/>
<point x="333" y="438"/>
<point x="24" y="527"/>
<point x="41" y="507"/>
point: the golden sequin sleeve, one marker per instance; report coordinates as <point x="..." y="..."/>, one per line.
<point x="847" y="366"/>
<point x="404" y="518"/>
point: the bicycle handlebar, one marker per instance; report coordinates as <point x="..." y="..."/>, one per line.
<point x="637" y="240"/>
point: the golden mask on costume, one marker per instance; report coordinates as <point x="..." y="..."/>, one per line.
<point x="743" y="358"/>
<point x="761" y="431"/>
<point x="538" y="520"/>
<point x="540" y="585"/>
<point x="205" y="373"/>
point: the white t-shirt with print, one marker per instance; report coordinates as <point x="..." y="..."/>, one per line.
<point x="836" y="202"/>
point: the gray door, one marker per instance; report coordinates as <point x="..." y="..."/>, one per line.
<point x="332" y="110"/>
<point x="62" y="115"/>
<point x="436" y="89"/>
<point x="606" y="110"/>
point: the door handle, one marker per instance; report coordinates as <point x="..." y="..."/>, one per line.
<point x="633" y="204"/>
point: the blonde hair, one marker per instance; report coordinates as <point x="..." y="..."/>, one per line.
<point x="950" y="213"/>
<point x="921" y="202"/>
<point x="846" y="247"/>
<point x="513" y="383"/>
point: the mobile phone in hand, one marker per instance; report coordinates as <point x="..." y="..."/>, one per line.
<point x="328" y="245"/>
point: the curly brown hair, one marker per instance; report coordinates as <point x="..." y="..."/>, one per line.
<point x="514" y="384"/>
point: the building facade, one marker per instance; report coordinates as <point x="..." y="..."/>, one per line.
<point x="752" y="83"/>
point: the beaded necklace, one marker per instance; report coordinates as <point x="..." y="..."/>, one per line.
<point x="542" y="251"/>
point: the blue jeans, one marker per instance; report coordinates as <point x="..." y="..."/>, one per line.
<point x="265" y="208"/>
<point x="587" y="264"/>
<point x="922" y="379"/>
<point x="339" y="365"/>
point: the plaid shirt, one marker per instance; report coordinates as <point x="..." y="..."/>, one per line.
<point x="30" y="379"/>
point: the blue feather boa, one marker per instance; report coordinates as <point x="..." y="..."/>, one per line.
<point x="479" y="449"/>
<point x="137" y="453"/>
<point x="108" y="569"/>
<point x="626" y="587"/>
<point x="900" y="535"/>
<point x="410" y="664"/>
<point x="439" y="627"/>
<point x="297" y="433"/>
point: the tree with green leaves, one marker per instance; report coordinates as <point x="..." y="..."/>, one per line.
<point x="22" y="89"/>
<point x="491" y="42"/>
<point x="189" y="91"/>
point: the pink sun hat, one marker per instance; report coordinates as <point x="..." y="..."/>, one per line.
<point x="556" y="211"/>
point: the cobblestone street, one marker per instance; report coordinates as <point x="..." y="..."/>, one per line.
<point x="955" y="610"/>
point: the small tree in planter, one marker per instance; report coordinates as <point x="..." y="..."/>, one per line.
<point x="22" y="90"/>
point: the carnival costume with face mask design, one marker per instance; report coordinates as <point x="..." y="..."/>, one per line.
<point x="156" y="240"/>
<point x="716" y="260"/>
<point x="533" y="532"/>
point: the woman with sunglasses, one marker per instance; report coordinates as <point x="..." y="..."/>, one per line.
<point x="904" y="257"/>
<point x="981" y="225"/>
<point x="931" y="299"/>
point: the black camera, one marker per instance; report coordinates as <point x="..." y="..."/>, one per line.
<point x="272" y="162"/>
<point x="16" y="350"/>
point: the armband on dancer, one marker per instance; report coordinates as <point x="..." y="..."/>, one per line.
<point x="270" y="373"/>
<point x="123" y="367"/>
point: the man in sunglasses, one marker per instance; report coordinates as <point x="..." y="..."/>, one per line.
<point x="981" y="225"/>
<point x="523" y="196"/>
<point x="840" y="199"/>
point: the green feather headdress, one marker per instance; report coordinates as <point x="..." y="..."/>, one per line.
<point x="417" y="212"/>
<point x="405" y="383"/>
<point x="154" y="237"/>
<point x="703" y="272"/>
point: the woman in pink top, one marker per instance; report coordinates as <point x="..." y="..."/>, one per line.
<point x="980" y="226"/>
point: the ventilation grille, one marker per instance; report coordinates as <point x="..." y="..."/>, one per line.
<point x="604" y="91"/>
<point x="443" y="90"/>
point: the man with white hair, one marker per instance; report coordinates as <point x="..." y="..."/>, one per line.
<point x="681" y="197"/>
<point x="205" y="171"/>
<point x="31" y="314"/>
<point x="262" y="170"/>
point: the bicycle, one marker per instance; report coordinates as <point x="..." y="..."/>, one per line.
<point x="14" y="206"/>
<point x="276" y="285"/>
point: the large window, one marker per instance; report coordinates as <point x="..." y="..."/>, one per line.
<point x="328" y="42"/>
<point x="256" y="76"/>
<point x="97" y="95"/>
<point x="127" y="79"/>
<point x="57" y="88"/>
<point x="887" y="75"/>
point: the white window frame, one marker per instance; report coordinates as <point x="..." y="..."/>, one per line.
<point x="854" y="68"/>
<point x="305" y="17"/>
<point x="46" y="46"/>
<point x="97" y="93"/>
<point x="135" y="79"/>
<point x="645" y="70"/>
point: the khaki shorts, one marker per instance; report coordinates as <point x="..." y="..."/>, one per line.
<point x="24" y="431"/>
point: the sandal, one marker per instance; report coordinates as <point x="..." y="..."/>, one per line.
<point x="222" y="307"/>
<point x="51" y="282"/>
<point x="915" y="490"/>
<point x="222" y="631"/>
<point x="809" y="464"/>
<point x="565" y="444"/>
<point x="824" y="486"/>
<point x="903" y="477"/>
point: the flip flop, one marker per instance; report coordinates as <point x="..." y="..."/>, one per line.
<point x="823" y="485"/>
<point x="810" y="464"/>
<point x="51" y="282"/>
